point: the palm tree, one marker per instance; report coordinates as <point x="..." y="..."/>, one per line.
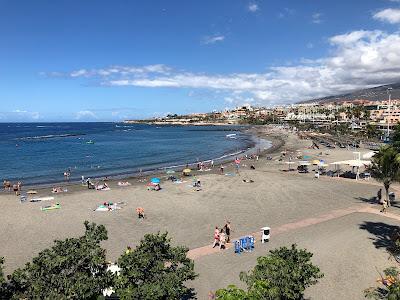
<point x="386" y="167"/>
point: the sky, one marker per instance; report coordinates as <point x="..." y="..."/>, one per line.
<point x="98" y="60"/>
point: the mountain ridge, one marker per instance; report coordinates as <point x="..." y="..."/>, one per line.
<point x="378" y="93"/>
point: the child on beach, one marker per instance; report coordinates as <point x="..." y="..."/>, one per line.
<point x="140" y="212"/>
<point x="216" y="237"/>
<point x="15" y="189"/>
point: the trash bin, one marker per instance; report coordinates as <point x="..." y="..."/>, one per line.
<point x="265" y="234"/>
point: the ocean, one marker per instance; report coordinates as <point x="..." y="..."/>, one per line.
<point x="40" y="153"/>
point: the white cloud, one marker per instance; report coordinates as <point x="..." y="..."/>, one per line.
<point x="286" y="12"/>
<point x="79" y="73"/>
<point x="213" y="39"/>
<point x="253" y="7"/>
<point x="390" y="15"/>
<point x="359" y="59"/>
<point x="316" y="18"/>
<point x="138" y="71"/>
<point x="354" y="37"/>
<point x="23" y="115"/>
<point x="85" y="114"/>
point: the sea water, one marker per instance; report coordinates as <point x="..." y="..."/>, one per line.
<point x="40" y="153"/>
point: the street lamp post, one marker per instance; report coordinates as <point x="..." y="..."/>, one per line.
<point x="388" y="117"/>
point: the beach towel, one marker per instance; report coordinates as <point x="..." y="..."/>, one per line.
<point x="229" y="174"/>
<point x="110" y="207"/>
<point x="124" y="183"/>
<point x="50" y="207"/>
<point x="102" y="208"/>
<point x="102" y="188"/>
<point x="38" y="199"/>
<point x="59" y="191"/>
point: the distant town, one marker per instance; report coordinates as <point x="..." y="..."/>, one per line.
<point x="373" y="118"/>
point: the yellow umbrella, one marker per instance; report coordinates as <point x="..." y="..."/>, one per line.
<point x="315" y="162"/>
<point x="187" y="171"/>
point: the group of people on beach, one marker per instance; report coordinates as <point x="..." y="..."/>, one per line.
<point x="222" y="235"/>
<point x="16" y="187"/>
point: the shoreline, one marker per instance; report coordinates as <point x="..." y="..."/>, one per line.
<point x="259" y="134"/>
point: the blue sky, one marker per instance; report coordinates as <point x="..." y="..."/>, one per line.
<point x="110" y="60"/>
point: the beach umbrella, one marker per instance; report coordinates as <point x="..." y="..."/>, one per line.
<point x="155" y="180"/>
<point x="304" y="163"/>
<point x="315" y="162"/>
<point x="187" y="171"/>
<point x="170" y="172"/>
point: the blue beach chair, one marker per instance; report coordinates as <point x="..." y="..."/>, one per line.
<point x="243" y="244"/>
<point x="237" y="247"/>
<point x="250" y="242"/>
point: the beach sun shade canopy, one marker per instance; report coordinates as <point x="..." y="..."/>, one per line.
<point x="187" y="171"/>
<point x="368" y="155"/>
<point x="315" y="162"/>
<point x="170" y="172"/>
<point x="155" y="180"/>
<point x="304" y="163"/>
<point x="353" y="163"/>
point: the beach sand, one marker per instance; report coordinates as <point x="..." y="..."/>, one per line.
<point x="274" y="199"/>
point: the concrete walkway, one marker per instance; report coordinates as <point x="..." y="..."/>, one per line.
<point x="334" y="214"/>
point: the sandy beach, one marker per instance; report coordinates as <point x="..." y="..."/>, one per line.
<point x="344" y="245"/>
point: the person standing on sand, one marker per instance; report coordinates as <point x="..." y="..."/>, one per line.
<point x="227" y="228"/>
<point x="212" y="164"/>
<point x="15" y="189"/>
<point x="216" y="237"/>
<point x="384" y="206"/>
<point x="222" y="169"/>
<point x="222" y="239"/>
<point x="379" y="195"/>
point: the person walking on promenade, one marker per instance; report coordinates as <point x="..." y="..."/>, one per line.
<point x="216" y="237"/>
<point x="222" y="239"/>
<point x="227" y="229"/>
